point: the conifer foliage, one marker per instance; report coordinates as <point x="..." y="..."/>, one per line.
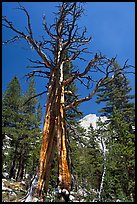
<point x="120" y="109"/>
<point x="20" y="130"/>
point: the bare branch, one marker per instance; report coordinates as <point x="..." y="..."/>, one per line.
<point x="34" y="97"/>
<point x="76" y="102"/>
<point x="40" y="71"/>
<point x="127" y="67"/>
<point x="28" y="16"/>
<point x="36" y="61"/>
<point x="10" y="26"/>
<point x="47" y="29"/>
<point x="74" y="56"/>
<point x="49" y="49"/>
<point x="129" y="72"/>
<point x="12" y="40"/>
<point x="28" y="38"/>
<point x="34" y="73"/>
<point x="70" y="80"/>
<point x="90" y="64"/>
<point x="68" y="92"/>
<point x="39" y="51"/>
<point x="37" y="75"/>
<point x="35" y="66"/>
<point x="82" y="82"/>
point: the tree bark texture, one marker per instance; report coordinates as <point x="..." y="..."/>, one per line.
<point x="63" y="159"/>
<point x="54" y="133"/>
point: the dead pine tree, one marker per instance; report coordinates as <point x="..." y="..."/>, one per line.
<point x="63" y="37"/>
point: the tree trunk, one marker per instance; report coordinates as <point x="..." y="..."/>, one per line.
<point x="54" y="133"/>
<point x="104" y="168"/>
<point x="20" y="169"/>
<point x="13" y="169"/>
<point x="63" y="160"/>
<point x="48" y="140"/>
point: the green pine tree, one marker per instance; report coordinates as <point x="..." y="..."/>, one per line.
<point x="87" y="160"/>
<point x="11" y="115"/>
<point x="120" y="167"/>
<point x="20" y="129"/>
<point x="30" y="133"/>
<point x="116" y="93"/>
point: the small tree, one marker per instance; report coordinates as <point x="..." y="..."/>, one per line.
<point x="29" y="132"/>
<point x="11" y="114"/>
<point x="64" y="37"/>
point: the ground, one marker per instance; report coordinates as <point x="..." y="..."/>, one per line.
<point x="13" y="191"/>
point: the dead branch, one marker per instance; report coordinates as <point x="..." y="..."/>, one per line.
<point x="12" y="40"/>
<point x="29" y="29"/>
<point x="35" y="67"/>
<point x="29" y="39"/>
<point x="81" y="75"/>
<point x="76" y="102"/>
<point x="92" y="63"/>
<point x="47" y="29"/>
<point x="38" y="73"/>
<point x="10" y="26"/>
<point x="34" y="97"/>
<point x="39" y="51"/>
<point x="70" y="80"/>
<point x="37" y="62"/>
<point x="82" y="82"/>
<point x="68" y="92"/>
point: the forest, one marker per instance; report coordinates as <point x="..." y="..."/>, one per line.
<point x="63" y="161"/>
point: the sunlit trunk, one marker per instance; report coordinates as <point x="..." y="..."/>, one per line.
<point x="63" y="161"/>
<point x="54" y="133"/>
<point x="48" y="137"/>
<point x="64" y="177"/>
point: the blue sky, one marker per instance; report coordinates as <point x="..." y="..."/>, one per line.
<point x="111" y="25"/>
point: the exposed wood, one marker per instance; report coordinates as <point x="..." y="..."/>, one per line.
<point x="39" y="51"/>
<point x="62" y="148"/>
<point x="76" y="102"/>
<point x="64" y="39"/>
<point x="48" y="138"/>
<point x="64" y="168"/>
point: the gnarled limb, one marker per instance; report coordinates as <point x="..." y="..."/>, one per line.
<point x="76" y="102"/>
